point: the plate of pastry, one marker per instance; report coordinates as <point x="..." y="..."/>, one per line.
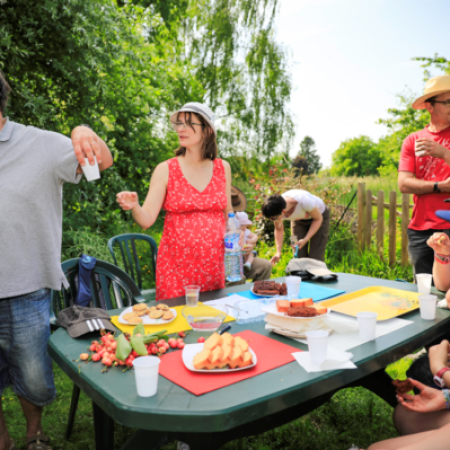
<point x="148" y="315"/>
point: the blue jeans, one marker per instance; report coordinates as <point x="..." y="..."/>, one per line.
<point x="24" y="362"/>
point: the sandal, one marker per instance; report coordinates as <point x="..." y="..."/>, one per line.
<point x="38" y="442"/>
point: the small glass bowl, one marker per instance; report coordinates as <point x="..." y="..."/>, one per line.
<point x="205" y="318"/>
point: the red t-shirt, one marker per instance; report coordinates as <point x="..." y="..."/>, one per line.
<point x="431" y="169"/>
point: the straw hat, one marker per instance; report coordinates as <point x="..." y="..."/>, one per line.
<point x="435" y="86"/>
<point x="238" y="199"/>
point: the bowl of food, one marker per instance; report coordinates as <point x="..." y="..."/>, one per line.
<point x="205" y="318"/>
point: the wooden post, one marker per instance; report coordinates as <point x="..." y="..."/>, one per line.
<point x="392" y="227"/>
<point x="405" y="223"/>
<point x="368" y="220"/>
<point x="361" y="199"/>
<point x="380" y="223"/>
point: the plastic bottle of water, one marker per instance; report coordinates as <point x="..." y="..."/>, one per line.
<point x="233" y="256"/>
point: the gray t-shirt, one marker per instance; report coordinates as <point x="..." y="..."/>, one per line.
<point x="34" y="164"/>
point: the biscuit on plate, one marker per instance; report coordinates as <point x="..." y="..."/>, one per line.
<point x="155" y="314"/>
<point x="139" y="307"/>
<point x="134" y="320"/>
<point x="143" y="312"/>
<point x="163" y="307"/>
<point x="128" y="315"/>
<point x="168" y="315"/>
<point x="152" y="308"/>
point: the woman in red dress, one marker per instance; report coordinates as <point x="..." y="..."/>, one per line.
<point x="194" y="188"/>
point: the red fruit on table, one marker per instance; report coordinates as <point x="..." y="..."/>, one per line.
<point x="182" y="334"/>
<point x="107" y="362"/>
<point x="162" y="349"/>
<point x="101" y="353"/>
<point x="104" y="339"/>
<point x="113" y="345"/>
<point x="135" y="353"/>
<point x="171" y="340"/>
<point x="110" y="337"/>
<point x="84" y="357"/>
<point x="173" y="344"/>
<point x="109" y="349"/>
<point x="161" y="343"/>
<point x="96" y="357"/>
<point x="181" y="345"/>
<point x="155" y="351"/>
<point x="200" y="340"/>
<point x="167" y="346"/>
<point x="179" y="340"/>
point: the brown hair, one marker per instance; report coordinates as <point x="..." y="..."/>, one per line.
<point x="5" y="89"/>
<point x="209" y="144"/>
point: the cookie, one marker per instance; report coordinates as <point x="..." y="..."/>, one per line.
<point x="152" y="308"/>
<point x="134" y="320"/>
<point x="139" y="307"/>
<point x="168" y="315"/>
<point x="143" y="312"/>
<point x="129" y="315"/>
<point x="163" y="307"/>
<point x="155" y="314"/>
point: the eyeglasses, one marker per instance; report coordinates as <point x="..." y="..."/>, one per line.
<point x="445" y="103"/>
<point x="182" y="125"/>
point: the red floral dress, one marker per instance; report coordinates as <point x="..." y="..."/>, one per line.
<point x="191" y="250"/>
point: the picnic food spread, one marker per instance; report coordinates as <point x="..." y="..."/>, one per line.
<point x="300" y="308"/>
<point x="222" y="351"/>
<point x="403" y="386"/>
<point x="269" y="288"/>
<point x="161" y="311"/>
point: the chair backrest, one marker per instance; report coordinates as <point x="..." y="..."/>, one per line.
<point x="111" y="288"/>
<point x="131" y="254"/>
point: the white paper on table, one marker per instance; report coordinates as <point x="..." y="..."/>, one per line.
<point x="336" y="360"/>
<point x="230" y="301"/>
<point x="346" y="341"/>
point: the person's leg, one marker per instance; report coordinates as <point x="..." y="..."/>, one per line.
<point x="318" y="242"/>
<point x="420" y="254"/>
<point x="408" y="422"/>
<point x="402" y="442"/>
<point x="5" y="440"/>
<point x="261" y="270"/>
<point x="299" y="229"/>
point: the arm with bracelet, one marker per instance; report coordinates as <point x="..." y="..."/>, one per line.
<point x="440" y="243"/>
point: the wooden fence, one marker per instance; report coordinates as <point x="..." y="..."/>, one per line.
<point x="366" y="201"/>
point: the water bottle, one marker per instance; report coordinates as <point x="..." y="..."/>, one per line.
<point x="233" y="257"/>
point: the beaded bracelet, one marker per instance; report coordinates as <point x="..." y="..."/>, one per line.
<point x="446" y="397"/>
<point x="443" y="259"/>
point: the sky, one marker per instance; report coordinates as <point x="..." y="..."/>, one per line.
<point x="350" y="59"/>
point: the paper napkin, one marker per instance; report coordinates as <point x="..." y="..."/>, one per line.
<point x="336" y="360"/>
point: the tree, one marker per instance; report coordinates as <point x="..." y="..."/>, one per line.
<point x="309" y="154"/>
<point x="358" y="156"/>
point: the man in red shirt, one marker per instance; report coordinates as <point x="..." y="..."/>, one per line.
<point x="424" y="171"/>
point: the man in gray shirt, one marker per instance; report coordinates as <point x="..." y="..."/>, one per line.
<point x="34" y="165"/>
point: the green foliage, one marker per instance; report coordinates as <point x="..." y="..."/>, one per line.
<point x="358" y="156"/>
<point x="307" y="159"/>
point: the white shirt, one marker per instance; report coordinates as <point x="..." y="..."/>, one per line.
<point x="306" y="202"/>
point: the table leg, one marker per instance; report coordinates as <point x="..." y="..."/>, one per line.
<point x="103" y="428"/>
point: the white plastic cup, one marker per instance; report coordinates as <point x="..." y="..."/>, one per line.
<point x="428" y="306"/>
<point x="293" y="287"/>
<point x="91" y="172"/>
<point x="418" y="152"/>
<point x="367" y="322"/>
<point x="192" y="294"/>
<point x="317" y="345"/>
<point x="424" y="282"/>
<point x="146" y="370"/>
<point x="294" y="240"/>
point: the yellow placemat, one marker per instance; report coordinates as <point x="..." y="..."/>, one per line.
<point x="386" y="302"/>
<point x="179" y="324"/>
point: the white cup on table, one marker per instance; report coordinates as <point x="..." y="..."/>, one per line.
<point x="367" y="322"/>
<point x="317" y="345"/>
<point x="146" y="372"/>
<point x="293" y="287"/>
<point x="91" y="172"/>
<point x="427" y="304"/>
<point x="424" y="282"/>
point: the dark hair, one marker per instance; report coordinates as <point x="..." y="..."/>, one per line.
<point x="5" y="89"/>
<point x="273" y="206"/>
<point x="431" y="100"/>
<point x="209" y="145"/>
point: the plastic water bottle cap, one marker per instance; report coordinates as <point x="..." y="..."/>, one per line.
<point x="230" y="214"/>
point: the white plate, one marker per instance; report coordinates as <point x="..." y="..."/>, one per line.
<point x="190" y="350"/>
<point x="264" y="296"/>
<point x="272" y="309"/>
<point x="146" y="320"/>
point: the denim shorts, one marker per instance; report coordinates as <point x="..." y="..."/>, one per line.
<point x="24" y="362"/>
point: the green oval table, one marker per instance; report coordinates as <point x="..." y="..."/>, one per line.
<point x="243" y="409"/>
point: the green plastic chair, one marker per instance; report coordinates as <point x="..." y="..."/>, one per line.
<point x="111" y="288"/>
<point x="130" y="258"/>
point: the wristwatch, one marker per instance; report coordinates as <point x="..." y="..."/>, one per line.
<point x="436" y="189"/>
<point x="438" y="377"/>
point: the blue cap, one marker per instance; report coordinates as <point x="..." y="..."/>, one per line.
<point x="443" y="214"/>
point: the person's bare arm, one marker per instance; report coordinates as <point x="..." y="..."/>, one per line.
<point x="317" y="220"/>
<point x="279" y="235"/>
<point x="146" y="215"/>
<point x="440" y="243"/>
<point x="229" y="207"/>
<point x="409" y="184"/>
<point x="87" y="144"/>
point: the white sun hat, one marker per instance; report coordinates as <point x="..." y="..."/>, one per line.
<point x="197" y="108"/>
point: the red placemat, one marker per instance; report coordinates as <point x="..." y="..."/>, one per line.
<point x="270" y="353"/>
